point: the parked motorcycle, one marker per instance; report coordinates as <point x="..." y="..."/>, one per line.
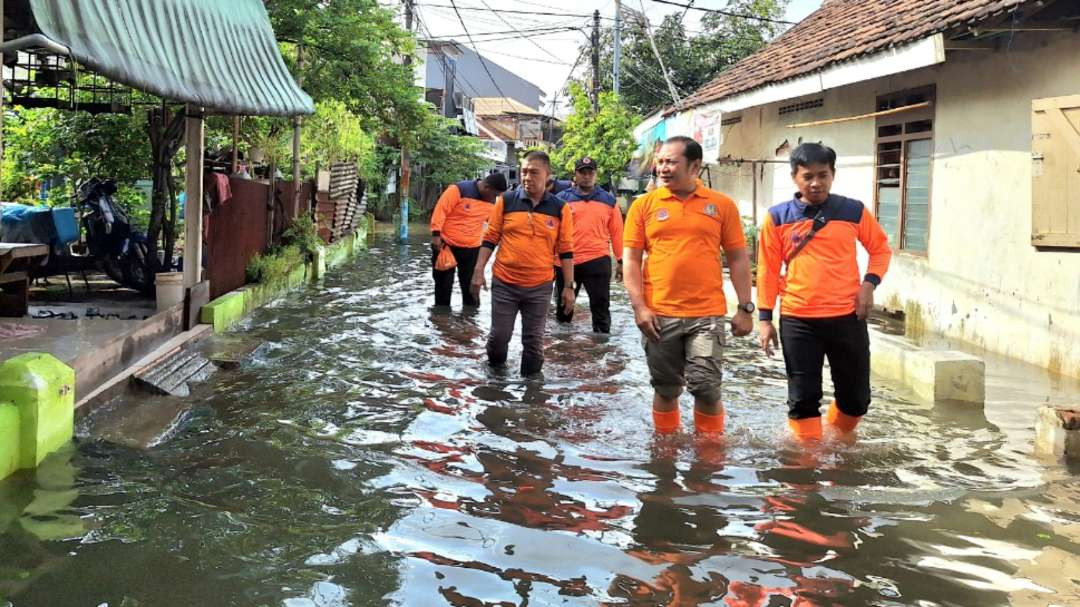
<point x="111" y="244"/>
<point x="123" y="253"/>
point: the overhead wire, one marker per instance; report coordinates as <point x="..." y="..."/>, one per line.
<point x="483" y="62"/>
<point x="719" y="11"/>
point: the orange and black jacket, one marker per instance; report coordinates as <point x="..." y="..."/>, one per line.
<point x="823" y="280"/>
<point x="527" y="236"/>
<point x="598" y="224"/>
<point x="460" y="214"/>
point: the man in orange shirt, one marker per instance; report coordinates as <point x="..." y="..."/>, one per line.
<point x="823" y="302"/>
<point x="598" y="231"/>
<point x="528" y="226"/>
<point x="678" y="291"/>
<point x="458" y="222"/>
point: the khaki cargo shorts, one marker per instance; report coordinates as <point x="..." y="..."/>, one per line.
<point x="689" y="353"/>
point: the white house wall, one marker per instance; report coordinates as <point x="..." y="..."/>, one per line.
<point x="981" y="281"/>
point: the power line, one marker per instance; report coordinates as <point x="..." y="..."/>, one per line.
<point x="725" y="13"/>
<point x="483" y="62"/>
<point x="519" y="12"/>
<point x="503" y="19"/>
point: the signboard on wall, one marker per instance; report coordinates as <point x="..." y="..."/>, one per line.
<point x="707" y="132"/>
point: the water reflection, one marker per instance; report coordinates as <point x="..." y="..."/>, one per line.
<point x="367" y="456"/>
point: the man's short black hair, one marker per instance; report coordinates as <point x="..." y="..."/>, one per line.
<point x="496" y="181"/>
<point x="813" y="153"/>
<point x="540" y="155"/>
<point x="691" y="149"/>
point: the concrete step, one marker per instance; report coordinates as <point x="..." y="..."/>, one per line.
<point x="136" y="421"/>
<point x="228" y="351"/>
<point x="173" y="374"/>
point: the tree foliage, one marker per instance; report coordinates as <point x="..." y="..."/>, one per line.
<point x="352" y="53"/>
<point x="67" y="148"/>
<point x="692" y="59"/>
<point x="606" y="135"/>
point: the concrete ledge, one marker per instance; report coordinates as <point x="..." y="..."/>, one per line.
<point x="224" y="311"/>
<point x="230" y="308"/>
<point x="1057" y="432"/>
<point x="932" y="375"/>
<point x="9" y="440"/>
<point x="41" y="391"/>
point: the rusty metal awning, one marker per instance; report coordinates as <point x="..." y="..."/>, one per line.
<point x="211" y="53"/>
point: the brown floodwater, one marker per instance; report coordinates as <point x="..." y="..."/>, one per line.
<point x="366" y="456"/>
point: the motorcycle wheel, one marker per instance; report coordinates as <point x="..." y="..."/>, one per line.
<point x="137" y="273"/>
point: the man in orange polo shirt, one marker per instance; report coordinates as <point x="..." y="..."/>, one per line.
<point x="458" y="223"/>
<point x="678" y="291"/>
<point x="527" y="227"/>
<point x="598" y="231"/>
<point x="823" y="301"/>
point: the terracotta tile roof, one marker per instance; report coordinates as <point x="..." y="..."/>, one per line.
<point x="845" y="29"/>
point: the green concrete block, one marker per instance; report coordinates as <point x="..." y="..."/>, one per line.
<point x="318" y="264"/>
<point x="224" y="311"/>
<point x="9" y="441"/>
<point x="43" y="390"/>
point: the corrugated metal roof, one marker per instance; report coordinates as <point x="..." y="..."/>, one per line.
<point x="212" y="53"/>
<point x="493" y="106"/>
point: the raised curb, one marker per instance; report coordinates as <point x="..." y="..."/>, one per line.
<point x="932" y="375"/>
<point x="230" y="308"/>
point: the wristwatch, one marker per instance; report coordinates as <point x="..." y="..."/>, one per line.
<point x="747" y="307"/>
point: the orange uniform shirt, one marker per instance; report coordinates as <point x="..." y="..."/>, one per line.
<point x="460" y="214"/>
<point x="683" y="241"/>
<point x="822" y="281"/>
<point x="598" y="224"/>
<point x="527" y="236"/>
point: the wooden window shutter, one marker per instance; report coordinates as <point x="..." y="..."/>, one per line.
<point x="1055" y="172"/>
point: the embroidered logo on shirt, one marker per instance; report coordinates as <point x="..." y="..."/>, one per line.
<point x="468" y="206"/>
<point x="710" y="210"/>
<point x="662" y="215"/>
<point x="551" y="223"/>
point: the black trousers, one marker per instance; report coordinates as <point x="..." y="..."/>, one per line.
<point x="595" y="275"/>
<point x="806" y="342"/>
<point x="444" y="280"/>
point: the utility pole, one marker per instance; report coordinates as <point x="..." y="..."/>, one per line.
<point x="617" y="59"/>
<point x="596" y="60"/>
<point x="403" y="187"/>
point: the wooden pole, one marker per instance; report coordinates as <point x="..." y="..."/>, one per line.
<point x="235" y="145"/>
<point x="193" y="211"/>
<point x="1" y="102"/>
<point x="896" y="110"/>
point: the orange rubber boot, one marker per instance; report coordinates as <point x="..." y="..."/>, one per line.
<point x="711" y="424"/>
<point x="840" y="420"/>
<point x="806" y="428"/>
<point x="665" y="422"/>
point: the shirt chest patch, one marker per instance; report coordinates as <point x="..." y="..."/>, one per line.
<point x="662" y="215"/>
<point x="710" y="210"/>
<point x="551" y="223"/>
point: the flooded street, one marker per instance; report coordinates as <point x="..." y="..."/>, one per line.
<point x="367" y="456"/>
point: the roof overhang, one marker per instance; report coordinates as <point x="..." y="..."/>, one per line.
<point x="923" y="53"/>
<point x="221" y="56"/>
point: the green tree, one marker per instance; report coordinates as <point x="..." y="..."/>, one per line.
<point x="67" y="148"/>
<point x="692" y="59"/>
<point x="334" y="134"/>
<point x="606" y="135"/>
<point x="352" y="53"/>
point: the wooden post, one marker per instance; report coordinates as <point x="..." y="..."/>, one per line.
<point x="1" y="103"/>
<point x="193" y="205"/>
<point x="235" y="144"/>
